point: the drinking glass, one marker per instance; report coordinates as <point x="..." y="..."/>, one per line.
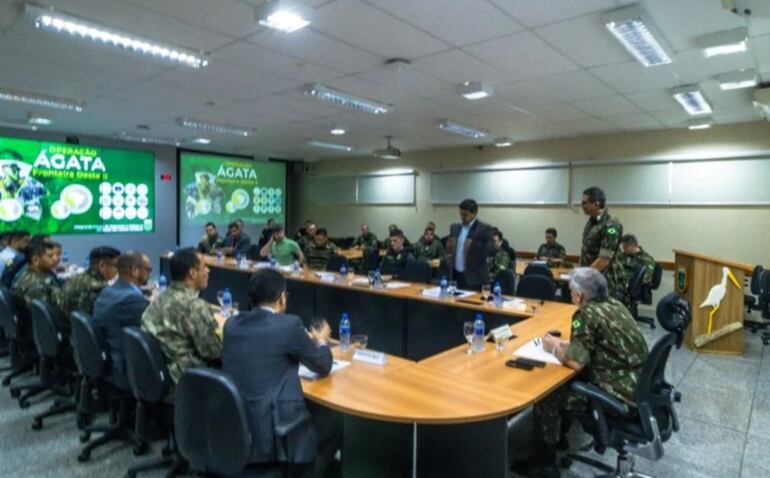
<point x="220" y="295"/>
<point x="371" y="277"/>
<point x="234" y="309"/>
<point x="452" y="288"/>
<point x="501" y="343"/>
<point x="359" y="341"/>
<point x="351" y="275"/>
<point x="486" y="292"/>
<point x="468" y="333"/>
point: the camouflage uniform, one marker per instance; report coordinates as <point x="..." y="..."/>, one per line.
<point x="208" y="244"/>
<point x="607" y="342"/>
<point x="369" y="242"/>
<point x="44" y="286"/>
<point x="317" y="257"/>
<point x="393" y="262"/>
<point x="305" y="241"/>
<point x="556" y="251"/>
<point x="601" y="238"/>
<point x="79" y="293"/>
<point x="498" y="262"/>
<point x="428" y="252"/>
<point x="630" y="263"/>
<point x="184" y="325"/>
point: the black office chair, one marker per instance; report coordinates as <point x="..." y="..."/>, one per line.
<point x="752" y="301"/>
<point x="208" y="413"/>
<point x="673" y="313"/>
<point x="93" y="363"/>
<point x="416" y="271"/>
<point x="536" y="286"/>
<point x="639" y="430"/>
<point x="507" y="281"/>
<point x="150" y="383"/>
<point x="764" y="301"/>
<point x="639" y="292"/>
<point x="56" y="368"/>
<point x="345" y="242"/>
<point x="21" y="348"/>
<point x="335" y="263"/>
<point x="538" y="269"/>
<point x="370" y="260"/>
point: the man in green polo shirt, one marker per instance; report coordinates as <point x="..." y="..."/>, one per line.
<point x="284" y="250"/>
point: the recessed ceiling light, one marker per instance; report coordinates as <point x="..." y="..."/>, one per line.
<point x="635" y="30"/>
<point x="503" y="142"/>
<point x="283" y="16"/>
<point x="692" y="100"/>
<point x="462" y="130"/>
<point x="357" y="103"/>
<point x="57" y="22"/>
<point x="148" y="140"/>
<point x="214" y="127"/>
<point x="338" y="130"/>
<point x="738" y="79"/>
<point x="39" y="120"/>
<point x="475" y="90"/>
<point x="201" y="141"/>
<point x="334" y="146"/>
<point x="724" y="42"/>
<point x="41" y="100"/>
<point x="14" y="125"/>
<point x="699" y="123"/>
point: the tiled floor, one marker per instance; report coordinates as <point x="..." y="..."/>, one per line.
<point x="724" y="414"/>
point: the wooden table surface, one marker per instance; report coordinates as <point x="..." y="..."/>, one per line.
<point x="450" y="387"/>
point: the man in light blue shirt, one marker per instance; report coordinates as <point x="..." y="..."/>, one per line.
<point x="469" y="244"/>
<point x="17" y="242"/>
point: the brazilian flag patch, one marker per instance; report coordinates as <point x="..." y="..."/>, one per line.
<point x="577" y="323"/>
<point x="612" y="230"/>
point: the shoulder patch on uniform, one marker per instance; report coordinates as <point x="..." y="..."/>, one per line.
<point x="577" y="322"/>
<point x="612" y="230"/>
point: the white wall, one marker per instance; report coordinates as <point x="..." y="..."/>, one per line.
<point x="733" y="232"/>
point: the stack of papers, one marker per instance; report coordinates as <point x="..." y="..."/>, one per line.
<point x="533" y="351"/>
<point x="362" y="281"/>
<point x="435" y="292"/>
<point x="326" y="276"/>
<point x="307" y="374"/>
<point x="396" y="285"/>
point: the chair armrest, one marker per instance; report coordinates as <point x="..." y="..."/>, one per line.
<point x="596" y="394"/>
<point x="284" y="429"/>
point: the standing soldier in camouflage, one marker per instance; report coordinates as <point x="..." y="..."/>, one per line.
<point x="605" y="345"/>
<point x="500" y="259"/>
<point x="366" y="240"/>
<point x="318" y="252"/>
<point x="182" y="322"/>
<point x="632" y="257"/>
<point x="38" y="280"/>
<point x="601" y="241"/>
<point x="81" y="291"/>
<point x="428" y="247"/>
<point x="397" y="257"/>
<point x="550" y="250"/>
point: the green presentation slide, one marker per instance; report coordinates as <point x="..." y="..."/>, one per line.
<point x="58" y="188"/>
<point x="220" y="189"/>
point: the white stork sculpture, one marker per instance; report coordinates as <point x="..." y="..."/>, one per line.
<point x="717" y="293"/>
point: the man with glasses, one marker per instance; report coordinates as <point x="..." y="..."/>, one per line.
<point x="121" y="305"/>
<point x="601" y="241"/>
<point x="81" y="291"/>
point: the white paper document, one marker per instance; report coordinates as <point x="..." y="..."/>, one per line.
<point x="306" y="373"/>
<point x="564" y="276"/>
<point x="396" y="285"/>
<point x="435" y="292"/>
<point x="326" y="276"/>
<point x="532" y="351"/>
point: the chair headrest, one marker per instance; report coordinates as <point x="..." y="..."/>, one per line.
<point x="673" y="313"/>
<point x="146" y="365"/>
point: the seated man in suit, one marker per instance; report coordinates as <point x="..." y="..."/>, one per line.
<point x="262" y="350"/>
<point x="121" y="305"/>
<point x="469" y="245"/>
<point x="237" y="241"/>
<point x="397" y="256"/>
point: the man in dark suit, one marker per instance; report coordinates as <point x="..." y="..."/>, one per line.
<point x="237" y="241"/>
<point x="469" y="244"/>
<point x="121" y="305"/>
<point x="262" y="351"/>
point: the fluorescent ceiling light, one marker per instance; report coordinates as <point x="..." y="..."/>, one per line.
<point x="214" y="127"/>
<point x="699" y="123"/>
<point x="201" y="141"/>
<point x="24" y="126"/>
<point x="148" y="140"/>
<point x="334" y="146"/>
<point x="57" y="22"/>
<point x="692" y="100"/>
<point x="39" y="120"/>
<point x="41" y="100"/>
<point x="738" y="79"/>
<point x="724" y="42"/>
<point x="503" y="142"/>
<point x="475" y="90"/>
<point x="338" y="130"/>
<point x="324" y="93"/>
<point x="462" y="130"/>
<point x="637" y="33"/>
<point x="283" y="16"/>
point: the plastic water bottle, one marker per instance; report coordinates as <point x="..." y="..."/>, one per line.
<point x="227" y="302"/>
<point x="377" y="279"/>
<point x="220" y="257"/>
<point x="295" y="269"/>
<point x="343" y="270"/>
<point x="478" y="334"/>
<point x="443" y="288"/>
<point x="272" y="261"/>
<point x="162" y="283"/>
<point x="344" y="332"/>
<point x="65" y="259"/>
<point x="497" y="293"/>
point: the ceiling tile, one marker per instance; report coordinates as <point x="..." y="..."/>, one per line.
<point x="542" y="12"/>
<point x="227" y="17"/>
<point x="571" y="86"/>
<point x="631" y="77"/>
<point x="591" y="126"/>
<point x="653" y="100"/>
<point x="636" y="122"/>
<point x="457" y="66"/>
<point x="522" y="55"/>
<point x="585" y="40"/>
<point x="682" y="22"/>
<point x="458" y="22"/>
<point x="760" y="48"/>
<point x="608" y="106"/>
<point x="693" y="68"/>
<point x="9" y="13"/>
<point x="268" y="62"/>
<point x="675" y="118"/>
<point x="410" y="80"/>
<point x="367" y="27"/>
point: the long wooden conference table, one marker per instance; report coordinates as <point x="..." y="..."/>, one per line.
<point x="432" y="410"/>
